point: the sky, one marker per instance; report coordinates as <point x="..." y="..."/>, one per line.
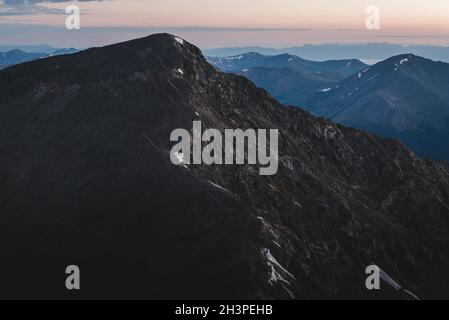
<point x="214" y="23"/>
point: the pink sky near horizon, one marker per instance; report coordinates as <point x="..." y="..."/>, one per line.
<point x="323" y="21"/>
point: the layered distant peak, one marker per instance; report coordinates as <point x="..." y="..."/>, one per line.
<point x="394" y="64"/>
<point x="248" y="55"/>
<point x="15" y="52"/>
<point x="403" y="64"/>
<point x="405" y="96"/>
<point x="17" y="56"/>
<point x="237" y="62"/>
<point x="328" y="70"/>
<point x="404" y="58"/>
<point x="402" y="70"/>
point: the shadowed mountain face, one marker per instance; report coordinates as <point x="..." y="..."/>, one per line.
<point x="85" y="179"/>
<point x="406" y="97"/>
<point x="285" y="84"/>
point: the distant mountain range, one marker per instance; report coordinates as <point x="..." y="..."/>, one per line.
<point x="17" y="56"/>
<point x="405" y="97"/>
<point x="369" y="52"/>
<point x="327" y="70"/>
<point x="288" y="78"/>
<point x="28" y="48"/>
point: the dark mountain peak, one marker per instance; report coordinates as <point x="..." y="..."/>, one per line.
<point x="161" y="39"/>
<point x="162" y="43"/>
<point x="86" y="178"/>
<point x="163" y="56"/>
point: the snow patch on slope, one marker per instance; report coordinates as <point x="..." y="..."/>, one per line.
<point x="219" y="187"/>
<point x="330" y="132"/>
<point x="390" y="281"/>
<point x="235" y="58"/>
<point x="277" y="271"/>
<point x="179" y="156"/>
<point x="179" y="40"/>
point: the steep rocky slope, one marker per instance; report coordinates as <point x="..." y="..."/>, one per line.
<point x="85" y="179"/>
